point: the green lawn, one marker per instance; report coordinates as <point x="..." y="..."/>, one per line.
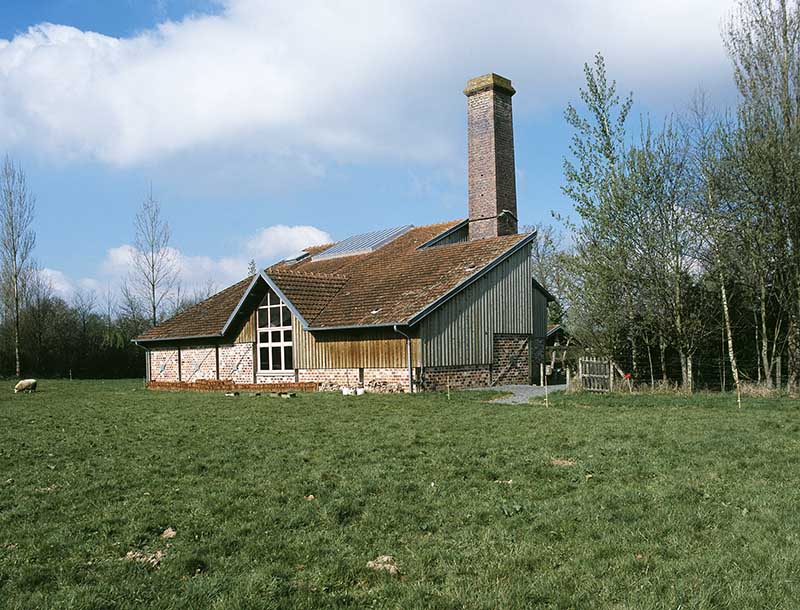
<point x="659" y="502"/>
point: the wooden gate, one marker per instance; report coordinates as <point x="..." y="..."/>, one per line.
<point x="596" y="374"/>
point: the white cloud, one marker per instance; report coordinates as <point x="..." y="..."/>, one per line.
<point x="350" y="80"/>
<point x="118" y="260"/>
<point x="63" y="286"/>
<point x="58" y="281"/>
<point x="266" y="246"/>
<point x="281" y="241"/>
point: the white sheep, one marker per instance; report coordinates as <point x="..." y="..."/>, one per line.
<point x="25" y="385"/>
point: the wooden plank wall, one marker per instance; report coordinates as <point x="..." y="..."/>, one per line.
<point x="368" y="348"/>
<point x="461" y="331"/>
<point x="248" y="332"/>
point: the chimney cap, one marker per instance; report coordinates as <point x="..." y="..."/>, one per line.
<point x="489" y="81"/>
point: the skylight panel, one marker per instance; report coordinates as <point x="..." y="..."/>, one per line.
<point x="364" y="243"/>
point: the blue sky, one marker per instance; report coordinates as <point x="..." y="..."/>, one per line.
<point x="263" y="125"/>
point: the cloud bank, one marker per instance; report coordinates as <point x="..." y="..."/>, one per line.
<point x="349" y="81"/>
<point x="266" y="246"/>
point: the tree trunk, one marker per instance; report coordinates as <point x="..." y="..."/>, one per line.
<point x="686" y="371"/>
<point x="17" y="365"/>
<point x="758" y="351"/>
<point x="731" y="352"/>
<point x="662" y="348"/>
<point x="794" y="357"/>
<point x="766" y="363"/>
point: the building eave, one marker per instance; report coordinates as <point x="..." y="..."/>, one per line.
<point x="470" y="280"/>
<point x="184" y="338"/>
<point x="357" y="326"/>
<point x="550" y="298"/>
<point x="238" y="307"/>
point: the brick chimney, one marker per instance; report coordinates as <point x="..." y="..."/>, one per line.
<point x="490" y="134"/>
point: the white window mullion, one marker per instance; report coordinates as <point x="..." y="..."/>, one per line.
<point x="274" y="311"/>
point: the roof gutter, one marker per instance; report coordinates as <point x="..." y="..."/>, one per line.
<point x="157" y="339"/>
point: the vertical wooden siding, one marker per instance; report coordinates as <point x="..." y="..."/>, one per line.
<point x="368" y="348"/>
<point x="460" y="331"/>
<point x="248" y="332"/>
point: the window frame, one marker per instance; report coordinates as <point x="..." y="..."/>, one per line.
<point x="272" y="305"/>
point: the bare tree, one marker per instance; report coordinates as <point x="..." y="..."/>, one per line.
<point x="17" y="240"/>
<point x="155" y="270"/>
<point x="183" y="300"/>
<point x="84" y="302"/>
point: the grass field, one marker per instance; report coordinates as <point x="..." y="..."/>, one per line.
<point x="594" y="502"/>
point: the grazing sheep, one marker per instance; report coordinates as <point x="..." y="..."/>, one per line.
<point x="26" y="385"/>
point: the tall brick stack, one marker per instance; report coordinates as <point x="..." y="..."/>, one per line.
<point x="490" y="137"/>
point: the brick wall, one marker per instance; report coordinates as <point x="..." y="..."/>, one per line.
<point x="374" y="380"/>
<point x="386" y="380"/>
<point x="440" y="377"/>
<point x="267" y="378"/>
<point x="490" y="139"/>
<point x="164" y="365"/>
<point x="330" y="380"/>
<point x="236" y="362"/>
<point x="511" y="356"/>
<point x="198" y="363"/>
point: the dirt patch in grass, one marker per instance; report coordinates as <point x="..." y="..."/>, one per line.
<point x="152" y="560"/>
<point x="46" y="490"/>
<point x="384" y="563"/>
<point x="562" y="462"/>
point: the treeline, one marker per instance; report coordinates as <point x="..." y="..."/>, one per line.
<point x="684" y="258"/>
<point x="88" y="334"/>
<point x="80" y="337"/>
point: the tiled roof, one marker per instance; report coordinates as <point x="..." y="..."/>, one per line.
<point x="388" y="286"/>
<point x="206" y="319"/>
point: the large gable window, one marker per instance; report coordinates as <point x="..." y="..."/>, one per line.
<point x="274" y="335"/>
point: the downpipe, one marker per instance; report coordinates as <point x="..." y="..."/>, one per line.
<point x="408" y="355"/>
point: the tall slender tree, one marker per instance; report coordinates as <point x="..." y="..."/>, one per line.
<point x="603" y="291"/>
<point x="17" y="240"/>
<point x="154" y="271"/>
<point x="763" y="40"/>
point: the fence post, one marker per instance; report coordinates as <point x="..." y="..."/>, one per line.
<point x="610" y="377"/>
<point x="778" y="372"/>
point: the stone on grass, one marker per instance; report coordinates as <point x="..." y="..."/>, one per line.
<point x="151" y="559"/>
<point x="384" y="563"/>
<point x="169" y="533"/>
